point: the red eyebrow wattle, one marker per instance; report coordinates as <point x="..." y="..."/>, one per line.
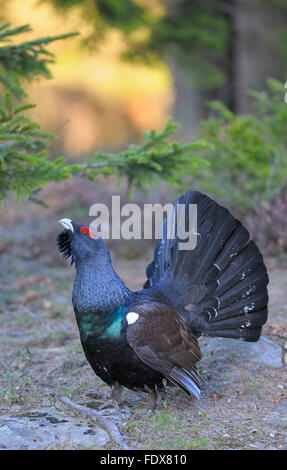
<point x="86" y="230"/>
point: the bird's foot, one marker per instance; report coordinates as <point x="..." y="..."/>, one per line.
<point x="110" y="402"/>
<point x="97" y="395"/>
<point x="154" y="400"/>
<point x="115" y="398"/>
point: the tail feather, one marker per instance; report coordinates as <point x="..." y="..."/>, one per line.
<point x="241" y="269"/>
<point x="238" y="240"/>
<point x="213" y="246"/>
<point x="247" y="334"/>
<point x="222" y="282"/>
<point x="243" y="289"/>
<point x="186" y="380"/>
<point x="240" y="321"/>
<point x="255" y="302"/>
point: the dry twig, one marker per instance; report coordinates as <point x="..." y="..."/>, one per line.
<point x="103" y="422"/>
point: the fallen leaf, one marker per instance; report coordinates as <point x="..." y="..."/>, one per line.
<point x="30" y="295"/>
<point x="277" y="398"/>
<point x="32" y="280"/>
<point x="3" y="247"/>
<point x="47" y="303"/>
<point x="277" y="329"/>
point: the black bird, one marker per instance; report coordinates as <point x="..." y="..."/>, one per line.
<point x="141" y="340"/>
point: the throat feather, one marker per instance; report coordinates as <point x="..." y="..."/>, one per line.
<point x="99" y="297"/>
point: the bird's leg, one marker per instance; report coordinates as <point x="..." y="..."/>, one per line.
<point x="116" y="394"/>
<point x="115" y="398"/>
<point x="153" y="400"/>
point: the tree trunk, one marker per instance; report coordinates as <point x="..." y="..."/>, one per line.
<point x="256" y="57"/>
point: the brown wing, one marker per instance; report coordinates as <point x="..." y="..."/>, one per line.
<point x="163" y="341"/>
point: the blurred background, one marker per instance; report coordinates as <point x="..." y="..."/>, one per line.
<point x="136" y="63"/>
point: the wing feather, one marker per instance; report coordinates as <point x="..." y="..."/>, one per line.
<point x="164" y="342"/>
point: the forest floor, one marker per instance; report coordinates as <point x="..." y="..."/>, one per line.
<point x="243" y="407"/>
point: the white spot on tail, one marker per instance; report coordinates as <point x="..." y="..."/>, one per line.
<point x="249" y="308"/>
<point x="132" y="317"/>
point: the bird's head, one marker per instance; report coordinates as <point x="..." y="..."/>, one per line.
<point x="76" y="241"/>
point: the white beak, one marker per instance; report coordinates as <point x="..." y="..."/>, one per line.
<point x="67" y="223"/>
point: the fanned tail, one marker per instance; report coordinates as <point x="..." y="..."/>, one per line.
<point x="222" y="282"/>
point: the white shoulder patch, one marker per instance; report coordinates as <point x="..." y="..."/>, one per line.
<point x="132" y="317"/>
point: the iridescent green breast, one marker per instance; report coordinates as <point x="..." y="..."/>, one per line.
<point x="103" y="325"/>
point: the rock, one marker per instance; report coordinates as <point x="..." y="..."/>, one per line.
<point x="264" y="351"/>
<point x="49" y="428"/>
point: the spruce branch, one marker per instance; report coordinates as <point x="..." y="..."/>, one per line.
<point x="25" y="165"/>
<point x="27" y="60"/>
<point x="157" y="157"/>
